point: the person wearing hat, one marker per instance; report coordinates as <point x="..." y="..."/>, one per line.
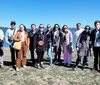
<point x="9" y="37"/>
<point x="83" y="46"/>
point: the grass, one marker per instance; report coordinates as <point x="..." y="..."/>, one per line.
<point x="50" y="75"/>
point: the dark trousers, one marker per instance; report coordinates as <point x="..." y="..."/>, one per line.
<point x="32" y="55"/>
<point x="13" y="54"/>
<point x="96" y="51"/>
<point x="40" y="57"/>
<point x="57" y="51"/>
<point x="85" y="60"/>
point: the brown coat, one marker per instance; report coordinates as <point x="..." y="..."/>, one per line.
<point x="17" y="37"/>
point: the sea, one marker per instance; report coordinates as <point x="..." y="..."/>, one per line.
<point x="28" y="29"/>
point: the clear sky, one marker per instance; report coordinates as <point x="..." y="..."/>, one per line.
<point x="45" y="12"/>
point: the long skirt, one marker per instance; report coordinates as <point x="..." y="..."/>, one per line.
<point x="67" y="55"/>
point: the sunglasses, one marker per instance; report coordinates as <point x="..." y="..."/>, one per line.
<point x="48" y="27"/>
<point x="41" y="27"/>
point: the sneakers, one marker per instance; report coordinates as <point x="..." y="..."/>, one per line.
<point x="57" y="63"/>
<point x="1" y="66"/>
<point x="17" y="69"/>
<point x="24" y="66"/>
<point x="42" y="65"/>
<point x="38" y="66"/>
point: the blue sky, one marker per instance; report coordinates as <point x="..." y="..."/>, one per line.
<point x="45" y="12"/>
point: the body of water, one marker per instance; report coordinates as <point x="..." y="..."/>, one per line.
<point x="71" y="29"/>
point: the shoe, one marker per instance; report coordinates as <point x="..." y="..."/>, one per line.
<point x="42" y="65"/>
<point x="24" y="66"/>
<point x="68" y="65"/>
<point x="87" y="64"/>
<point x="1" y="66"/>
<point x="17" y="69"/>
<point x="56" y="63"/>
<point x="38" y="66"/>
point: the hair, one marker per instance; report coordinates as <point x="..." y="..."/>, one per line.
<point x="40" y="25"/>
<point x="87" y="26"/>
<point x="55" y="26"/>
<point x="63" y="27"/>
<point x="48" y="24"/>
<point x="78" y="24"/>
<point x="13" y="23"/>
<point x="96" y="22"/>
<point x="24" y="27"/>
<point x="32" y="25"/>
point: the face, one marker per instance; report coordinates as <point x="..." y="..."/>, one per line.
<point x="13" y="26"/>
<point x="56" y="28"/>
<point x="65" y="28"/>
<point x="21" y="28"/>
<point x="33" y="27"/>
<point x="78" y="27"/>
<point x="87" y="29"/>
<point x="41" y="28"/>
<point x="98" y="25"/>
<point x="48" y="27"/>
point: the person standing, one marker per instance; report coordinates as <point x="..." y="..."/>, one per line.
<point x="83" y="46"/>
<point x="40" y="45"/>
<point x="57" y="43"/>
<point x="75" y="36"/>
<point x="1" y="50"/>
<point x="67" y="45"/>
<point x="32" y="35"/>
<point x="9" y="37"/>
<point x="49" y="42"/>
<point x="95" y="42"/>
<point x="22" y="35"/>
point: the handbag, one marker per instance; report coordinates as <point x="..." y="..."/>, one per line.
<point x="41" y="43"/>
<point x="17" y="45"/>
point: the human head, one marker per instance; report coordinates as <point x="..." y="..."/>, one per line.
<point x="87" y="28"/>
<point x="33" y="27"/>
<point x="65" y="28"/>
<point x="78" y="26"/>
<point x="48" y="27"/>
<point x="22" y="27"/>
<point x="13" y="24"/>
<point x="56" y="27"/>
<point x="41" y="27"/>
<point x="97" y="24"/>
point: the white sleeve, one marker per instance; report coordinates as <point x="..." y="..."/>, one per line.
<point x="1" y="35"/>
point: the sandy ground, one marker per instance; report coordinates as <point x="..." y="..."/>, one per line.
<point x="50" y="75"/>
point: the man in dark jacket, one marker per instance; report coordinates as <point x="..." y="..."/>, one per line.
<point x="32" y="35"/>
<point x="95" y="42"/>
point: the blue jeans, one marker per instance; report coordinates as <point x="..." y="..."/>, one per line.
<point x="49" y="50"/>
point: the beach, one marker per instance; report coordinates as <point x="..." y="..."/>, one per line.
<point x="50" y="75"/>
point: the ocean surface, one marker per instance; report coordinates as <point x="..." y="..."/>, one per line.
<point x="71" y="29"/>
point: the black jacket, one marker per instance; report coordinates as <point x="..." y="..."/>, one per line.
<point x="58" y="40"/>
<point x="93" y="36"/>
<point x="32" y="40"/>
<point x="39" y="37"/>
<point x="49" y="37"/>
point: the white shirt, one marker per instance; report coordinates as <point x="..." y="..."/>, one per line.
<point x="77" y="33"/>
<point x="9" y="35"/>
<point x="22" y="37"/>
<point x="1" y="35"/>
<point x="97" y="39"/>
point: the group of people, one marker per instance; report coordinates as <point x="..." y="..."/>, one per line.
<point x="56" y="41"/>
